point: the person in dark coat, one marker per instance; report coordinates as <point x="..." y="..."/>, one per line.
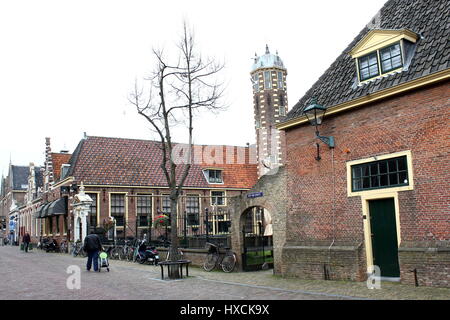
<point x="26" y="241"/>
<point x="92" y="245"/>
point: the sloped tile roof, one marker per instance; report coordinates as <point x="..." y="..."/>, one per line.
<point x="19" y="177"/>
<point x="58" y="160"/>
<point x="38" y="177"/>
<point x="429" y="19"/>
<point x="132" y="162"/>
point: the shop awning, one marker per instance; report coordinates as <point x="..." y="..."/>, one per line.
<point x="57" y="207"/>
<point x="38" y="212"/>
<point x="54" y="208"/>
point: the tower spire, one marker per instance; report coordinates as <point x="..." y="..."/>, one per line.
<point x="267" y="49"/>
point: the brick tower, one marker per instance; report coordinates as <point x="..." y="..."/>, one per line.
<point x="270" y="104"/>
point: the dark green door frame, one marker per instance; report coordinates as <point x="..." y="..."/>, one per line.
<point x="383" y="227"/>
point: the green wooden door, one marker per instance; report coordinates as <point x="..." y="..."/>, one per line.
<point x="384" y="236"/>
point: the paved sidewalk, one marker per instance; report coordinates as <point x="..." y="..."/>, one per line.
<point x="40" y="275"/>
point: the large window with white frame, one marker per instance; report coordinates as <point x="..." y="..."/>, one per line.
<point x="385" y="173"/>
<point x="217" y="198"/>
<point x="193" y="210"/>
<point x="166" y="208"/>
<point x="144" y="209"/>
<point x="93" y="210"/>
<point x="118" y="208"/>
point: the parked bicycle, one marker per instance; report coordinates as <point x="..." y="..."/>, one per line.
<point x="226" y="260"/>
<point x="63" y="246"/>
<point x="127" y="251"/>
<point x="78" y="250"/>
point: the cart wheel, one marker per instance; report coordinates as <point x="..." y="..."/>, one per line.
<point x="107" y="269"/>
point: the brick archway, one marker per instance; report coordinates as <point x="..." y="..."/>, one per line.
<point x="272" y="189"/>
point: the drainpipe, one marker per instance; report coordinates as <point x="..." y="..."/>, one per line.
<point x="326" y="271"/>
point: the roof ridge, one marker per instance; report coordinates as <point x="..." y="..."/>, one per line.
<point x="156" y="141"/>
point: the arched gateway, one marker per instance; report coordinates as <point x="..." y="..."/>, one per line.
<point x="259" y="223"/>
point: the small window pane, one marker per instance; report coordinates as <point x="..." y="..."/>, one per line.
<point x="373" y="70"/>
<point x="383" y="180"/>
<point x="392" y="165"/>
<point x="357" y="184"/>
<point x="387" y="65"/>
<point x="366" y="171"/>
<point x="396" y="62"/>
<point x="403" y="177"/>
<point x="267" y="80"/>
<point x="373" y="60"/>
<point x="383" y="167"/>
<point x="393" y="179"/>
<point x="374" y="182"/>
<point x="366" y="183"/>
<point x="357" y="172"/>
<point x="364" y="62"/>
<point x="374" y="169"/>
<point x="365" y="74"/>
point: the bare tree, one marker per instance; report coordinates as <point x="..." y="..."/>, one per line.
<point x="176" y="93"/>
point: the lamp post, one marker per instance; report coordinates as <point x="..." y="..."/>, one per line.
<point x="315" y="113"/>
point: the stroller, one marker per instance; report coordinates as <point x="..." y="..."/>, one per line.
<point x="103" y="261"/>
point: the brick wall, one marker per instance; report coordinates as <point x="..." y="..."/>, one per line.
<point x="319" y="209"/>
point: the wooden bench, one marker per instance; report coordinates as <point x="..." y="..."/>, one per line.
<point x="179" y="263"/>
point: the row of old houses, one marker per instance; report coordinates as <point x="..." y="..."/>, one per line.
<point x="364" y="179"/>
<point x="124" y="181"/>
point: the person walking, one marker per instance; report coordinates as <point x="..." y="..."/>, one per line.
<point x="26" y="241"/>
<point x="92" y="245"/>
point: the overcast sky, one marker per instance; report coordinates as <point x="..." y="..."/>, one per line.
<point x="67" y="67"/>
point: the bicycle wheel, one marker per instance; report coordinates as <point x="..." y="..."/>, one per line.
<point x="122" y="254"/>
<point x="82" y="253"/>
<point x="229" y="262"/>
<point x="130" y="254"/>
<point x="115" y="254"/>
<point x="211" y="261"/>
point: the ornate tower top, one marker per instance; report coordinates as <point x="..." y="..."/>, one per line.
<point x="268" y="60"/>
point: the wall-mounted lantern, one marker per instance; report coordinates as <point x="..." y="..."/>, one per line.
<point x="315" y="114"/>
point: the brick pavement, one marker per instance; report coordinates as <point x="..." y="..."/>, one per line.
<point x="40" y="275"/>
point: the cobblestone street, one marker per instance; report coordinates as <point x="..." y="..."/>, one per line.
<point x="40" y="275"/>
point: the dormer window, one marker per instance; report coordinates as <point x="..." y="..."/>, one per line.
<point x="213" y="175"/>
<point x="391" y="58"/>
<point x="368" y="66"/>
<point x="382" y="52"/>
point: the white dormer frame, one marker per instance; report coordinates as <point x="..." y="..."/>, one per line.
<point x="376" y="40"/>
<point x="206" y="175"/>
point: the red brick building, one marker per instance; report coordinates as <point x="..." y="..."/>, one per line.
<point x="380" y="197"/>
<point x="124" y="179"/>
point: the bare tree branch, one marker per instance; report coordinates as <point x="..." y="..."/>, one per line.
<point x="175" y="91"/>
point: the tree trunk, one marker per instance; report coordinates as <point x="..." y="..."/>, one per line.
<point x="174" y="272"/>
